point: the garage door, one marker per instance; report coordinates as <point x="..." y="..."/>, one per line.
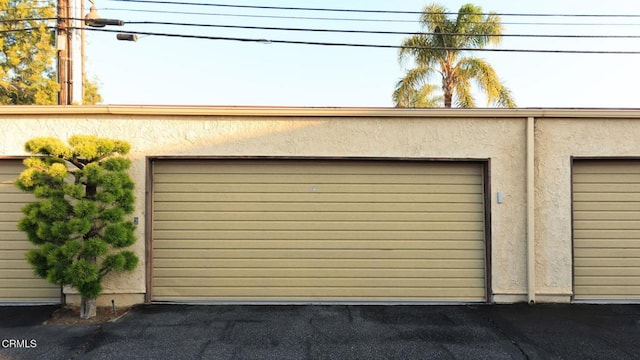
<point x="17" y="282"/>
<point x="606" y="230"/>
<point x="317" y="231"/>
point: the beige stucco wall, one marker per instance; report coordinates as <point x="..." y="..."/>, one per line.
<point x="498" y="136"/>
<point x="557" y="141"/>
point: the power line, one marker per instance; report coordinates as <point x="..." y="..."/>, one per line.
<point x="166" y="2"/>
<point x="259" y="16"/>
<point x="379" y="46"/>
<point x="269" y="7"/>
<point x="376" y="32"/>
<point x="380" y="32"/>
<point x="2" y="21"/>
<point x="347" y="19"/>
<point x="25" y="29"/>
<point x="339" y="30"/>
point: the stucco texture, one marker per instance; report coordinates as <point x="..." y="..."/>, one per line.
<point x="557" y="141"/>
<point x="500" y="141"/>
<point x="497" y="137"/>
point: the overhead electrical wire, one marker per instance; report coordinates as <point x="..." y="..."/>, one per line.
<point x="389" y="12"/>
<point x="259" y="16"/>
<point x="3" y="21"/>
<point x="361" y="45"/>
<point x="380" y="32"/>
<point x="268" y="7"/>
<point x="353" y="19"/>
<point x="25" y="29"/>
<point x="364" y="11"/>
<point x="415" y="21"/>
<point x="184" y="3"/>
<point x="352" y="31"/>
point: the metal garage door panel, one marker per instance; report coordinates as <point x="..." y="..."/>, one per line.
<point x="17" y="281"/>
<point x="606" y="230"/>
<point x="309" y="231"/>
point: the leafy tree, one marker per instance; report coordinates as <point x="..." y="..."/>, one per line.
<point x="437" y="51"/>
<point x="78" y="221"/>
<point x="28" y="73"/>
<point x="91" y="94"/>
<point x="27" y="53"/>
<point x="420" y="96"/>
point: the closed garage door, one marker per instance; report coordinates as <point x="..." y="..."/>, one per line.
<point x="314" y="231"/>
<point x="17" y="281"/>
<point x="606" y="228"/>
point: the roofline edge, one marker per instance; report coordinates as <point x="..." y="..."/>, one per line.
<point x="167" y="110"/>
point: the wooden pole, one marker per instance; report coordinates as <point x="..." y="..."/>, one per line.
<point x="63" y="42"/>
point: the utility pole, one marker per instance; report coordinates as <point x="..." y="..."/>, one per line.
<point x="63" y="41"/>
<point x="70" y="43"/>
<point x="76" y="52"/>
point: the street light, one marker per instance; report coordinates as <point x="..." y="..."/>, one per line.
<point x="94" y="20"/>
<point x="126" y="37"/>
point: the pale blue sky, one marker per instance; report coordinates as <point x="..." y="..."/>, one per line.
<point x="173" y="71"/>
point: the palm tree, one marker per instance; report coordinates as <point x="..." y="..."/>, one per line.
<point x="437" y="51"/>
<point x="416" y="93"/>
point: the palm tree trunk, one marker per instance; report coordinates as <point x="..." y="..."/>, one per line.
<point x="447" y="100"/>
<point x="447" y="89"/>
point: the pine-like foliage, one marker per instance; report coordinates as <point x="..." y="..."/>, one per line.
<point x="78" y="221"/>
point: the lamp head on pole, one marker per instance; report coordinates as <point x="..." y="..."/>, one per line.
<point x="127" y="37"/>
<point x="92" y="16"/>
<point x="94" y="20"/>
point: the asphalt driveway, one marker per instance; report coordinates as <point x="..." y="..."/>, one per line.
<point x="331" y="332"/>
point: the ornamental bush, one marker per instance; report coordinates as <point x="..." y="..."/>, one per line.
<point x="79" y="220"/>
